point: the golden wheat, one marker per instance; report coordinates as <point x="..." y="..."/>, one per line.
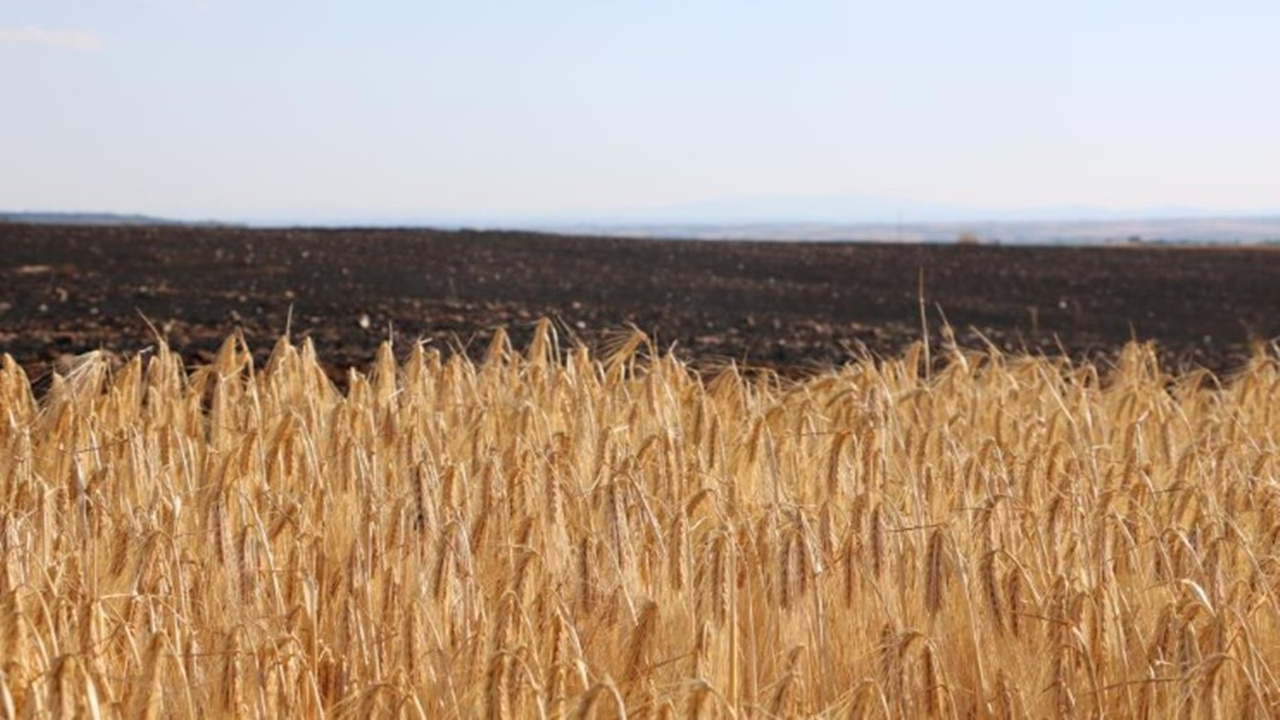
<point x="551" y="535"/>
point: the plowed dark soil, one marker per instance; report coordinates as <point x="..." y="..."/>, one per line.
<point x="791" y="306"/>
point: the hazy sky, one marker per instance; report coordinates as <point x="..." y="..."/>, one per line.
<point x="322" y="110"/>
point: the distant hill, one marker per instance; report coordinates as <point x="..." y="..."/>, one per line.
<point x="84" y="218"/>
<point x="75" y="218"/>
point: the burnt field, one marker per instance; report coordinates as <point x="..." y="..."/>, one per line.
<point x="790" y="306"/>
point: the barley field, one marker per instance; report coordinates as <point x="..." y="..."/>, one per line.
<point x="548" y="534"/>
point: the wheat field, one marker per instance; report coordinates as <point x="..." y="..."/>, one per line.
<point x="546" y="534"/>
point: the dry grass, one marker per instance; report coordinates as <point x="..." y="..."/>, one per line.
<point x="547" y="536"/>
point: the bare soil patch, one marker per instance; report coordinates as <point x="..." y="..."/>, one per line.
<point x="790" y="306"/>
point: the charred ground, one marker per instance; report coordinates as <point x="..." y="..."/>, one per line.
<point x="790" y="306"/>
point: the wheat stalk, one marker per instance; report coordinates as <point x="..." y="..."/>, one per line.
<point x="550" y="534"/>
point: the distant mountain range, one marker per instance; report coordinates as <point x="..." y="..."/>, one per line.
<point x="824" y="219"/>
<point x="869" y="218"/>
<point x="870" y="210"/>
<point x="864" y="210"/>
<point x="863" y="218"/>
<point x="1248" y="231"/>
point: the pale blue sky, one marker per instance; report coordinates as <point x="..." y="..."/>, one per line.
<point x="325" y="110"/>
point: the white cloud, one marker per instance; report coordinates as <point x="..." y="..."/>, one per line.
<point x="69" y="39"/>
